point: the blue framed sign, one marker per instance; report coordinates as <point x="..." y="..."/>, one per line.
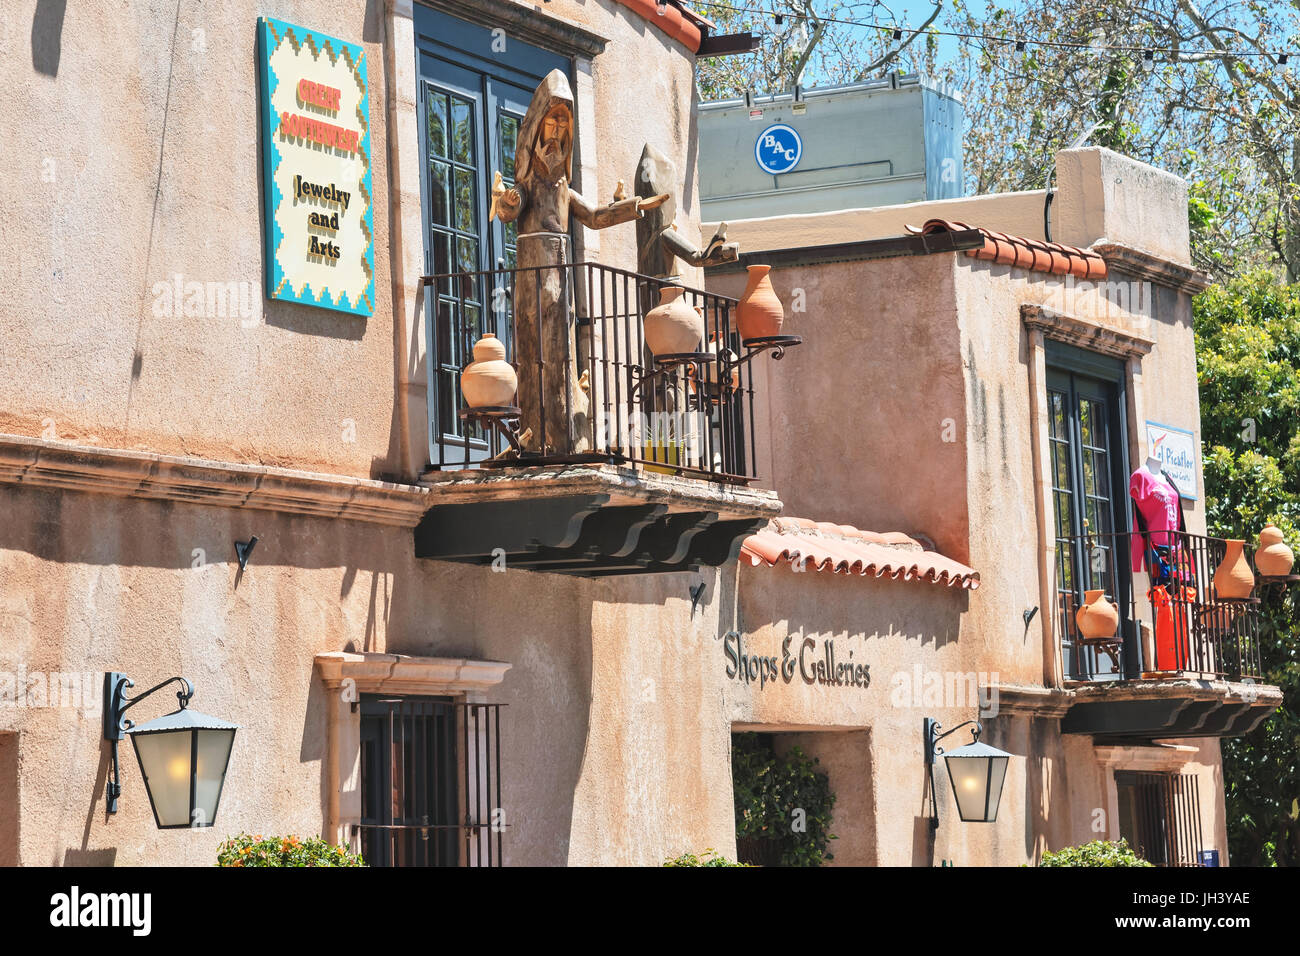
<point x="1176" y="449"/>
<point x="316" y="150"/>
<point x="778" y="149"/>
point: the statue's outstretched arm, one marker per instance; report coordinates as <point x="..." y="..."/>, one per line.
<point x="715" y="255"/>
<point x="611" y="214"/>
<point x="507" y="204"/>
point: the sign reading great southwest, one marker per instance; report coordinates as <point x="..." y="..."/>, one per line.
<point x="316" y="148"/>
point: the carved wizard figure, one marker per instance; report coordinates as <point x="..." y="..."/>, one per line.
<point x="542" y="201"/>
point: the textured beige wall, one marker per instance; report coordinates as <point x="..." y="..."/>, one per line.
<point x="140" y="160"/>
<point x="895" y="349"/>
<point x="603" y="757"/>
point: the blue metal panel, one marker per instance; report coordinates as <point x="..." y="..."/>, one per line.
<point x="943" y="119"/>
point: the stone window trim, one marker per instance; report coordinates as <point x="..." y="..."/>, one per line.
<point x="1043" y="323"/>
<point x="464" y="679"/>
<point x="1085" y="333"/>
<point x="402" y="674"/>
<point x="1152" y="268"/>
<point x="529" y="23"/>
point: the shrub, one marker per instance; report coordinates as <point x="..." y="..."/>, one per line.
<point x="1096" y="853"/>
<point x="709" y="857"/>
<point x="245" y="850"/>
<point x="783" y="805"/>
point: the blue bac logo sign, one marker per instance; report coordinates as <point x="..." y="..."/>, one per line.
<point x="778" y="149"/>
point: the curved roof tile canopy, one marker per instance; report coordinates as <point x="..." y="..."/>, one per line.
<point x="1054" y="257"/>
<point x="844" y="549"/>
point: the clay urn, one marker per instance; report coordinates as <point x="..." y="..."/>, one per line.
<point x="1097" y="617"/>
<point x="1233" y="578"/>
<point x="1273" y="558"/>
<point x="759" y="313"/>
<point x="673" y="326"/>
<point x="489" y="380"/>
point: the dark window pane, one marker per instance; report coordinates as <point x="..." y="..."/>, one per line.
<point x="437" y="122"/>
<point x="444" y="333"/>
<point x="465" y="200"/>
<point x="473" y="324"/>
<point x="1058" y="415"/>
<point x="447" y="421"/>
<point x="467" y="260"/>
<point x="439" y="181"/>
<point x="462" y="120"/>
<point x="509" y="140"/>
<point x="442" y="258"/>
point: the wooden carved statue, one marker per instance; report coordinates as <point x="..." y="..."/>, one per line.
<point x="552" y="398"/>
<point x="659" y="244"/>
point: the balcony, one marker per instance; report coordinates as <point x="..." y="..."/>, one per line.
<point x="610" y="459"/>
<point x="1172" y="657"/>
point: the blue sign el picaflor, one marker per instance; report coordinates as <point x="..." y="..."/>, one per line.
<point x="778" y="149"/>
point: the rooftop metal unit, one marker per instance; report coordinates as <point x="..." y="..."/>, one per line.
<point x="883" y="142"/>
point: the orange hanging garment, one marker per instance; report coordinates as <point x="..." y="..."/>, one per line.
<point x="1166" y="644"/>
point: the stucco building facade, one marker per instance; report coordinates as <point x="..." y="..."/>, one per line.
<point x="158" y="405"/>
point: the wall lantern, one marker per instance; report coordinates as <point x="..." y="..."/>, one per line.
<point x="977" y="772"/>
<point x="183" y="756"/>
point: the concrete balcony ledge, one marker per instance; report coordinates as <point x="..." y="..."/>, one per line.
<point x="625" y="485"/>
<point x="588" y="519"/>
<point x="1143" y="710"/>
<point x="1122" y="711"/>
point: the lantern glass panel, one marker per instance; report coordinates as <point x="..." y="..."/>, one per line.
<point x="165" y="762"/>
<point x="214" y="755"/>
<point x="977" y="772"/>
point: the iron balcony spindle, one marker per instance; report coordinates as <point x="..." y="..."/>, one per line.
<point x="1185" y="625"/>
<point x="678" y="414"/>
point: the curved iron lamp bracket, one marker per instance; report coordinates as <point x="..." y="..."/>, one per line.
<point x="116" y="724"/>
<point x="933" y="750"/>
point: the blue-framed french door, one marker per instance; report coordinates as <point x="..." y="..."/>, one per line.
<point x="1088" y="462"/>
<point x="474" y="88"/>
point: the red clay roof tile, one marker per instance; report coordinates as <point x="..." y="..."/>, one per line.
<point x="842" y="548"/>
<point x="1054" y="257"/>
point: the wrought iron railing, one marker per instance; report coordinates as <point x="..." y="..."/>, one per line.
<point x="597" y="393"/>
<point x="1171" y="621"/>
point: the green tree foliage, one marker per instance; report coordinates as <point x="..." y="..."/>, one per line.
<point x="1214" y="104"/>
<point x="1096" y="853"/>
<point x="1248" y="357"/>
<point x="783" y="804"/>
<point x="814" y="43"/>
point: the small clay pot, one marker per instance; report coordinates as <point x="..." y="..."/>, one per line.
<point x="672" y="326"/>
<point x="489" y="380"/>
<point x="1097" y="618"/>
<point x="1273" y="558"/>
<point x="1233" y="578"/>
<point x="759" y="313"/>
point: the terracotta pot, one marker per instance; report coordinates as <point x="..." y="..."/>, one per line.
<point x="1273" y="557"/>
<point x="1097" y="617"/>
<point x="673" y="326"/>
<point x="489" y="380"/>
<point x="1233" y="578"/>
<point x="760" y="313"/>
